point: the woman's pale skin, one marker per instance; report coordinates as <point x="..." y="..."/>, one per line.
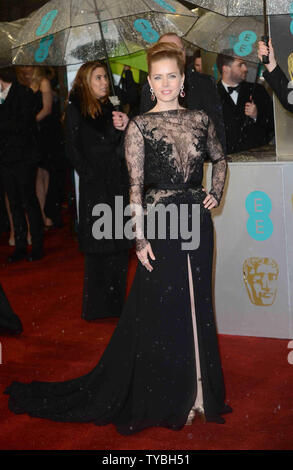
<point x="99" y="83"/>
<point x="166" y="81"/>
<point x="265" y="50"/>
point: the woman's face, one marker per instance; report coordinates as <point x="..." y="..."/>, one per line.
<point x="27" y="71"/>
<point x="99" y="82"/>
<point x="166" y="80"/>
<point x="198" y="64"/>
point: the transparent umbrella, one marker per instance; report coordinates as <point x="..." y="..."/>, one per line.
<point x="217" y="33"/>
<point x="8" y="36"/>
<point x="76" y="31"/>
<point x="246" y="7"/>
<point x="249" y="8"/>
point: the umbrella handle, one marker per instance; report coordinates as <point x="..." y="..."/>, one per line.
<point x="265" y="58"/>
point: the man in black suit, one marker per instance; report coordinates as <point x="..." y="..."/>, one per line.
<point x="247" y="107"/>
<point x="18" y="164"/>
<point x="275" y="76"/>
<point x="200" y="93"/>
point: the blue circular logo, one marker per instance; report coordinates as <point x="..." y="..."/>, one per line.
<point x="259" y="225"/>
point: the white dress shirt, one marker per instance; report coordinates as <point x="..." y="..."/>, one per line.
<point x="4" y="93"/>
<point x="233" y="95"/>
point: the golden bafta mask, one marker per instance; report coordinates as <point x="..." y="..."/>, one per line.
<point x="290" y="65"/>
<point x="261" y="280"/>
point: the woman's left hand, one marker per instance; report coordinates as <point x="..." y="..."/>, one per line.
<point x="120" y="120"/>
<point x="210" y="201"/>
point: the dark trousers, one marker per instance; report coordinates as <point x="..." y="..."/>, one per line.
<point x="19" y="180"/>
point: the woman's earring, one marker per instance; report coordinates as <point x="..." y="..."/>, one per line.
<point x="182" y="92"/>
<point x="153" y="96"/>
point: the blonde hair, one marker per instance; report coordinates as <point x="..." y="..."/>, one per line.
<point x="166" y="50"/>
<point x="90" y="105"/>
<point x="38" y="75"/>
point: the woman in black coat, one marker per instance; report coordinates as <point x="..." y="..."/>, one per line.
<point x="95" y="149"/>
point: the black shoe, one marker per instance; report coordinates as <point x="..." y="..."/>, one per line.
<point x="35" y="255"/>
<point x="17" y="255"/>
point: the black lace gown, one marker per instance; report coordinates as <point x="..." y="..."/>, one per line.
<point x="163" y="358"/>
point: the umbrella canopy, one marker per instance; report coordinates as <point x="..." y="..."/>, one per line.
<point x="217" y="33"/>
<point x="137" y="61"/>
<point x="245" y="7"/>
<point x="76" y="31"/>
<point x="8" y="36"/>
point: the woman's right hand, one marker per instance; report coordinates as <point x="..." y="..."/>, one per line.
<point x="120" y="120"/>
<point x="209" y="201"/>
<point x="143" y="255"/>
<point x="265" y="50"/>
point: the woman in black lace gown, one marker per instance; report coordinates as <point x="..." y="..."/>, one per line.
<point x="162" y="364"/>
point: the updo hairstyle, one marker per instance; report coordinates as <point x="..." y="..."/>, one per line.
<point x="166" y="50"/>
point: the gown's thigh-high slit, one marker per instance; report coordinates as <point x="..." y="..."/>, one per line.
<point x="199" y="394"/>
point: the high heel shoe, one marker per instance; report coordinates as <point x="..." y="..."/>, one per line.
<point x="200" y="414"/>
<point x="197" y="413"/>
<point x="190" y="417"/>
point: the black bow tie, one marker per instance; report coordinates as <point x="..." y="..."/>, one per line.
<point x="233" y="88"/>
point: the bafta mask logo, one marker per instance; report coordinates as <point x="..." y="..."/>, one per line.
<point x="261" y="280"/>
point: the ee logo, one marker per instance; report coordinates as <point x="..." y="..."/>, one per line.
<point x="259" y="225"/>
<point x="166" y="5"/>
<point x="46" y="22"/>
<point x="43" y="51"/>
<point x="291" y="15"/>
<point x="244" y="46"/>
<point x="45" y="43"/>
<point x="145" y="28"/>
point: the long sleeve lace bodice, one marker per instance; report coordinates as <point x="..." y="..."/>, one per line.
<point x="165" y="154"/>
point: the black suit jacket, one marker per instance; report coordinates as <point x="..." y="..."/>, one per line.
<point x="17" y="126"/>
<point x="242" y="132"/>
<point x="201" y="94"/>
<point x="279" y="84"/>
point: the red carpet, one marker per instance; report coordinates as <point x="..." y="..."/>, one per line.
<point x="57" y="344"/>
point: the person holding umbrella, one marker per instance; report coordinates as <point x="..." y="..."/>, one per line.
<point x="247" y="107"/>
<point x="275" y="76"/>
<point x="93" y="147"/>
